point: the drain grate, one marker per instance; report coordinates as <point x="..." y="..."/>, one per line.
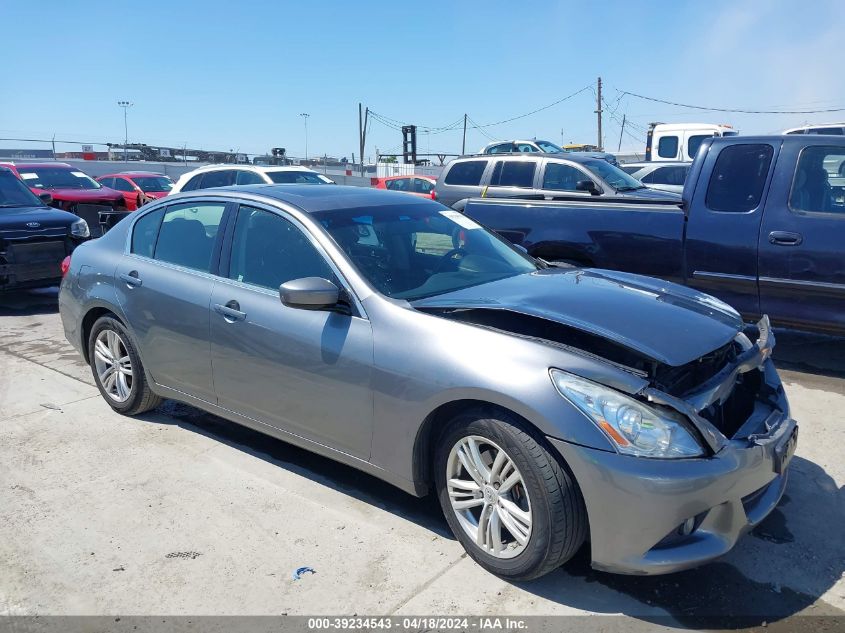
<point x="191" y="555"/>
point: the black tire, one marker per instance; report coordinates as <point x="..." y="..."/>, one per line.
<point x="558" y="515"/>
<point x="141" y="397"/>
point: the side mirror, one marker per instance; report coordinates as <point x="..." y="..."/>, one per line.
<point x="46" y="198"/>
<point x="309" y="293"/>
<point x="587" y="185"/>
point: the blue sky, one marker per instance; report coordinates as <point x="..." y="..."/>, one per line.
<point x="235" y="75"/>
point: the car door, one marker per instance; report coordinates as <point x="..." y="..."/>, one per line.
<point x="513" y="178"/>
<point x="164" y="287"/>
<point x="130" y="196"/>
<point x="724" y="222"/>
<point x="802" y="275"/>
<point x="560" y="178"/>
<point x="306" y="372"/>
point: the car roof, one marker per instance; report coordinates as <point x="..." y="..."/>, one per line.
<point x="318" y="198"/>
<point x="574" y="157"/>
<point x="426" y="176"/>
<point x="36" y="165"/>
<point x="261" y="168"/>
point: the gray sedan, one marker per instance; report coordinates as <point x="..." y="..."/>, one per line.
<point x="544" y="406"/>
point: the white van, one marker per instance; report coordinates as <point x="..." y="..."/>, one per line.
<point x="680" y="141"/>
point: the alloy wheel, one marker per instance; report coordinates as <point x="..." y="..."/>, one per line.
<point x="488" y="496"/>
<point x="113" y="365"/>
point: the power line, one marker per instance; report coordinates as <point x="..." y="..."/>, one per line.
<point x="478" y="127"/>
<point x="737" y="110"/>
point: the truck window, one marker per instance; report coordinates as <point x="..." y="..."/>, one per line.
<point x="466" y="173"/>
<point x="513" y="174"/>
<point x="819" y="182"/>
<point x="667" y="147"/>
<point x="694" y="142"/>
<point x="736" y="184"/>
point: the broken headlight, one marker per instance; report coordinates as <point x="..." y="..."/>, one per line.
<point x="632" y="427"/>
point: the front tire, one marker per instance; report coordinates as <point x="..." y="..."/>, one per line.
<point x="516" y="510"/>
<point x="117" y="368"/>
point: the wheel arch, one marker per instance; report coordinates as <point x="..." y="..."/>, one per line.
<point x="88" y="321"/>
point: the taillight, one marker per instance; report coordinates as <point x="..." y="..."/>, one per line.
<point x="65" y="265"/>
<point x="433" y="194"/>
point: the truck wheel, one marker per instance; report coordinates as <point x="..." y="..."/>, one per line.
<point x="117" y="368"/>
<point x="516" y="510"/>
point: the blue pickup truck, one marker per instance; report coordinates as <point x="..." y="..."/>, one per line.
<point x="761" y="225"/>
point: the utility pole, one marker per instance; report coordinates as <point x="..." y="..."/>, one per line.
<point x="619" y="149"/>
<point x="54" y="147"/>
<point x="362" y="132"/>
<point x="598" y="112"/>
<point x="125" y="105"/>
<point x="464" y="143"/>
<point x="305" y="116"/>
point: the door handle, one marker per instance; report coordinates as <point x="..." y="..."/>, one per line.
<point x="131" y="278"/>
<point x="231" y="311"/>
<point x="785" y="238"/>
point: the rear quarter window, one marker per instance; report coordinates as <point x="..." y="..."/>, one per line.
<point x="145" y="232"/>
<point x="467" y="173"/>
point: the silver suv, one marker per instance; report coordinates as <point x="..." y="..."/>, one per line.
<point x="533" y="175"/>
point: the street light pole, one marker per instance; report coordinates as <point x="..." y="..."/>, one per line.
<point x="305" y="116"/>
<point x="125" y="105"/>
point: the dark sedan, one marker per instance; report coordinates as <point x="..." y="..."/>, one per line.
<point x="34" y="238"/>
<point x="544" y="406"/>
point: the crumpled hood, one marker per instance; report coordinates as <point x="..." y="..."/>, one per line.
<point x="664" y="321"/>
<point x="90" y="196"/>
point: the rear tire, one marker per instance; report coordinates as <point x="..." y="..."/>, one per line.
<point x="531" y="527"/>
<point x="117" y="368"/>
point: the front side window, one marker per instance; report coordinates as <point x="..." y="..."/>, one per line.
<point x="738" y="178"/>
<point x="612" y="175"/>
<point x="398" y="184"/>
<point x="122" y="185"/>
<point x="153" y="183"/>
<point x="526" y="147"/>
<point x="630" y="169"/>
<point x="694" y="142"/>
<point x="562" y="177"/>
<point x="188" y="233"/>
<point x="411" y="251"/>
<point x="812" y="186"/>
<point x="502" y="148"/>
<point x="548" y="147"/>
<point x="514" y="174"/>
<point x="193" y="183"/>
<point x="466" y="173"/>
<point x="145" y="232"/>
<point x="268" y="250"/>
<point x="667" y="147"/>
<point x="674" y="175"/>
<point x="57" y="178"/>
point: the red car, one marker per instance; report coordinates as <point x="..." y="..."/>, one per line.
<point x="67" y="185"/>
<point x="138" y="187"/>
<point x="417" y="185"/>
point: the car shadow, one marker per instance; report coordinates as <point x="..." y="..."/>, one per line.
<point x="778" y="571"/>
<point x="809" y="353"/>
<point x="322" y="470"/>
<point x="29" y="302"/>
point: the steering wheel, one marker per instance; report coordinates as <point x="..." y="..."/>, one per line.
<point x="448" y="257"/>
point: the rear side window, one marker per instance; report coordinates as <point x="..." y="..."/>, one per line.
<point x="222" y="178"/>
<point x="514" y="174"/>
<point x="400" y="184"/>
<point x="193" y="183"/>
<point x="145" y="232"/>
<point x="421" y="185"/>
<point x="122" y="185"/>
<point x="187" y="234"/>
<point x="738" y="178"/>
<point x="667" y="147"/>
<point x="694" y="142"/>
<point x="503" y="148"/>
<point x="819" y="182"/>
<point x="466" y="173"/>
<point x="666" y="176"/>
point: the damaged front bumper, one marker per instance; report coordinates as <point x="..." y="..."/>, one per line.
<point x="655" y="516"/>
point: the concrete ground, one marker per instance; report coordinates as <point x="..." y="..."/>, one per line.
<point x="180" y="512"/>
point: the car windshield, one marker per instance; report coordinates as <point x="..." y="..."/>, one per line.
<point x="612" y="175"/>
<point x="296" y="177"/>
<point x="416" y="251"/>
<point x="546" y="146"/>
<point x="153" y="183"/>
<point x="57" y="178"/>
<point x="13" y="193"/>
